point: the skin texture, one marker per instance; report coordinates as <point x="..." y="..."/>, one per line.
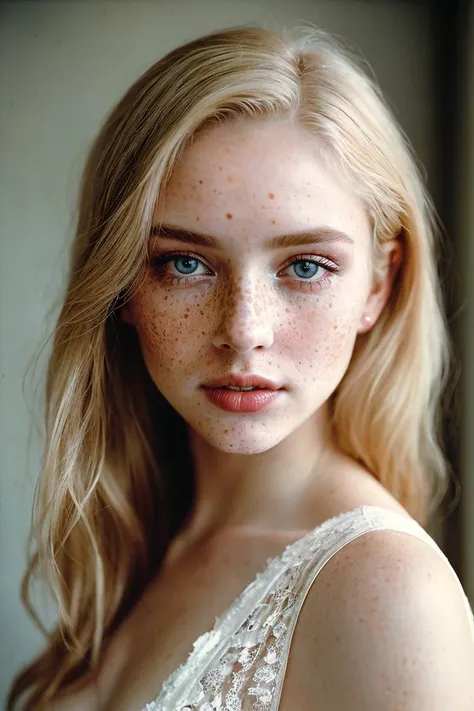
<point x="384" y="617"/>
<point x="384" y="628"/>
<point x="244" y="308"/>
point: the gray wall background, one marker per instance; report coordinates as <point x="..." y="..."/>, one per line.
<point x="62" y="66"/>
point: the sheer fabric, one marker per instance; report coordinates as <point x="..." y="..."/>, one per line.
<point x="240" y="665"/>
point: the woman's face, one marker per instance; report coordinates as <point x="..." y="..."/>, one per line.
<point x="241" y="304"/>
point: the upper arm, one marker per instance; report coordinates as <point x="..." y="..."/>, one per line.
<point x="386" y="628"/>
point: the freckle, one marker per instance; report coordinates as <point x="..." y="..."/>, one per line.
<point x="186" y="315"/>
<point x="271" y="196"/>
<point x="220" y="167"/>
<point x="274" y="222"/>
<point x="230" y="179"/>
<point x="201" y="182"/>
<point x="226" y="431"/>
<point x="229" y="215"/>
<point x="197" y="219"/>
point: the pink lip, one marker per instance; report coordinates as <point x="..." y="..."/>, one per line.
<point x="233" y="401"/>
<point x="243" y="381"/>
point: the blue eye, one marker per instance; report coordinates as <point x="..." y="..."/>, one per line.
<point x="189" y="265"/>
<point x="182" y="265"/>
<point x="179" y="267"/>
<point x="306" y="269"/>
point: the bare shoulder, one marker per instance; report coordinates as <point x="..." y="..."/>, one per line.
<point x="385" y="625"/>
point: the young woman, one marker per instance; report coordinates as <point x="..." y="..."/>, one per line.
<point x="243" y="403"/>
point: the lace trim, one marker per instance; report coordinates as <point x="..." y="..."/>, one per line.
<point x="240" y="665"/>
<point x="207" y="646"/>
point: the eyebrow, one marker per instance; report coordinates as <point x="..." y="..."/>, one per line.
<point x="320" y="234"/>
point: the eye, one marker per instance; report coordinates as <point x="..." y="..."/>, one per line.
<point x="186" y="265"/>
<point x="306" y="269"/>
<point x="183" y="265"/>
<point x="185" y="268"/>
<point x="311" y="268"/>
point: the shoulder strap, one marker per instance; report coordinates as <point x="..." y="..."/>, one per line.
<point x="366" y="519"/>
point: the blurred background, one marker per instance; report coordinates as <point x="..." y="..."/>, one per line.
<point x="62" y="67"/>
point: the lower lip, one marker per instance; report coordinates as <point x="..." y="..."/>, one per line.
<point x="243" y="401"/>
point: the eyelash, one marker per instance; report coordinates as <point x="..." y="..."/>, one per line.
<point x="158" y="262"/>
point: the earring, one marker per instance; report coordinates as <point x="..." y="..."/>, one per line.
<point x="367" y="319"/>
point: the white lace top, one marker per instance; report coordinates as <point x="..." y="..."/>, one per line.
<point x="240" y="665"/>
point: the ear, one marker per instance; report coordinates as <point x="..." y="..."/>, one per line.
<point x="382" y="288"/>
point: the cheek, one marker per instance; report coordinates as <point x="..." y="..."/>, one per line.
<point x="166" y="327"/>
<point x="323" y="332"/>
<point x="174" y="329"/>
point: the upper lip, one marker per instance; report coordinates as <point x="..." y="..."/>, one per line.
<point x="243" y="381"/>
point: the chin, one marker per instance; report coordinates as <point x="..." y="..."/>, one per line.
<point x="242" y="440"/>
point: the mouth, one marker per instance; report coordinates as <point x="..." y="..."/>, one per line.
<point x="243" y="383"/>
<point x="239" y="390"/>
<point x="250" y="395"/>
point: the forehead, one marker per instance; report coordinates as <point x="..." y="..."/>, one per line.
<point x="267" y="177"/>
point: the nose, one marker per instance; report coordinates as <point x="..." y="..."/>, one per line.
<point x="245" y="319"/>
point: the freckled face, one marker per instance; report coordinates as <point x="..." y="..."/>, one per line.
<point x="290" y="314"/>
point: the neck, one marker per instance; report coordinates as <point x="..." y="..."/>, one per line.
<point x="273" y="489"/>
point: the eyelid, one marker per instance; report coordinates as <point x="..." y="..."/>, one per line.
<point x="330" y="268"/>
<point x="167" y="257"/>
<point x="323" y="261"/>
<point x="295" y="258"/>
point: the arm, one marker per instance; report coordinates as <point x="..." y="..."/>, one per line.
<point x="388" y="626"/>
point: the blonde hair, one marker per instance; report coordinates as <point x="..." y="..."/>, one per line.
<point x="106" y="504"/>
